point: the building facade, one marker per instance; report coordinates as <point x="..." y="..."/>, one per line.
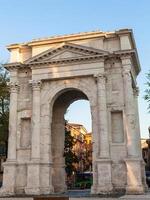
<point x="46" y="76"/>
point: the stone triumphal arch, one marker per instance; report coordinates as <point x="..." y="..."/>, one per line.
<point x="46" y="76"/>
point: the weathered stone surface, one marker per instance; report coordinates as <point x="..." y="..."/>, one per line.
<point x="46" y="77"/>
<point x="126" y="197"/>
<point x="51" y="198"/>
<point x="16" y="198"/>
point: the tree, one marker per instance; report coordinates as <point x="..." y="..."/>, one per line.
<point x="4" y="108"/>
<point x="70" y="156"/>
<point x="147" y="91"/>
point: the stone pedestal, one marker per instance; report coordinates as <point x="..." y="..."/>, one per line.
<point x="35" y="186"/>
<point x="8" y="179"/>
<point x="134" y="183"/>
<point x="33" y="179"/>
<point x="104" y="184"/>
<point x="46" y="171"/>
<point x="59" y="186"/>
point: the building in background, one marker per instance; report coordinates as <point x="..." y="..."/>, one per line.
<point x="144" y="147"/>
<point x="82" y="147"/>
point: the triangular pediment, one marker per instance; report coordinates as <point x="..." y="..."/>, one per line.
<point x="65" y="52"/>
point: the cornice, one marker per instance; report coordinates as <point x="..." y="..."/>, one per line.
<point x="15" y="65"/>
<point x="71" y="60"/>
<point x="67" y="38"/>
<point x="12" y="65"/>
<point x="124" y="52"/>
<point x="128" y="54"/>
<point x="60" y="39"/>
<point x="123" y="31"/>
<point x="76" y="60"/>
<point x="70" y="37"/>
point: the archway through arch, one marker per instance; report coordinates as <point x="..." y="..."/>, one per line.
<point x="60" y="106"/>
<point x="78" y="156"/>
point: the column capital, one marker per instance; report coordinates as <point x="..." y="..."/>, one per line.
<point x="126" y="72"/>
<point x="125" y="57"/>
<point x="14" y="87"/>
<point x="100" y="77"/>
<point x="136" y="91"/>
<point x="126" y="62"/>
<point x="36" y="84"/>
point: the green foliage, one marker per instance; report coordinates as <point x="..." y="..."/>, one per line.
<point x="70" y="156"/>
<point x="4" y="105"/>
<point x="147" y="91"/>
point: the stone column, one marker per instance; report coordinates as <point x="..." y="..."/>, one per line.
<point x="9" y="176"/>
<point x="135" y="98"/>
<point x="133" y="161"/>
<point x="13" y="122"/>
<point x="132" y="136"/>
<point x="103" y="162"/>
<point x="33" y="172"/>
<point x="35" y="151"/>
<point x="102" y="116"/>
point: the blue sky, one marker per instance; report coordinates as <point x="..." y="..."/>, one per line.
<point x="23" y="20"/>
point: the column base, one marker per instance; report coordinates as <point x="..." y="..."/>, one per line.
<point x="134" y="176"/>
<point x="33" y="179"/>
<point x="46" y="190"/>
<point x="32" y="191"/>
<point x="9" y="179"/>
<point x="59" y="179"/>
<point x="46" y="186"/>
<point x="104" y="183"/>
<point x="60" y="189"/>
<point x="135" y="190"/>
<point x="144" y="177"/>
<point x="102" y="189"/>
<point x="6" y="191"/>
<point x="19" y="190"/>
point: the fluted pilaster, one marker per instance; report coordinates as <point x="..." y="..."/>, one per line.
<point x="35" y="152"/>
<point x="102" y="116"/>
<point x="14" y="88"/>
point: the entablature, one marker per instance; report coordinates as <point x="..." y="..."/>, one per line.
<point x="68" y="54"/>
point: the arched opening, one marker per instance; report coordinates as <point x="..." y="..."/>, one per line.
<point x="80" y="149"/>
